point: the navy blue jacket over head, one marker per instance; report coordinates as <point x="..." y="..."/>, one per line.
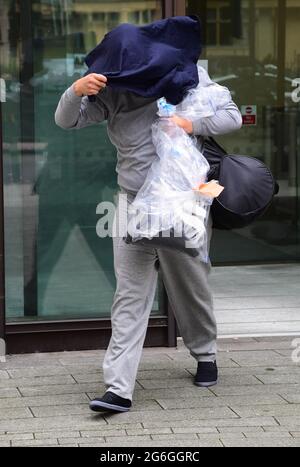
<point x="156" y="60"/>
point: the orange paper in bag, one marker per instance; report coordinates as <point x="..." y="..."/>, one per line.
<point x="212" y="189"/>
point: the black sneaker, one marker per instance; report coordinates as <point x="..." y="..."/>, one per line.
<point x="110" y="402"/>
<point x="207" y="374"/>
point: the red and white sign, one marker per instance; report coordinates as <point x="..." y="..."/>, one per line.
<point x="249" y="114"/>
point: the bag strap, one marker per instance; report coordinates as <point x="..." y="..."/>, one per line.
<point x="214" y="153"/>
<point x="217" y="145"/>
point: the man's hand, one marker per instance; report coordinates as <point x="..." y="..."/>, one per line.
<point x="89" y="85"/>
<point x="187" y="125"/>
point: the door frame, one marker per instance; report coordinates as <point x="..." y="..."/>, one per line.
<point x="2" y="257"/>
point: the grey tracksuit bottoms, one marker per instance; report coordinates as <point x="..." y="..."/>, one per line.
<point x="189" y="293"/>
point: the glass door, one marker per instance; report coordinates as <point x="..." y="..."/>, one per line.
<point x="56" y="266"/>
<point x="252" y="47"/>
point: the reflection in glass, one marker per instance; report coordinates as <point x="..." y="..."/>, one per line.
<point x="56" y="265"/>
<point x="252" y="47"/>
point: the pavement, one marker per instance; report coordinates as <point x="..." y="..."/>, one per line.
<point x="44" y="399"/>
<point x="257" y="300"/>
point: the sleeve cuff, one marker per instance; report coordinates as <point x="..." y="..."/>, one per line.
<point x="71" y="95"/>
<point x="197" y="127"/>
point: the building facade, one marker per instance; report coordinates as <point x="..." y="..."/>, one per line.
<point x="57" y="279"/>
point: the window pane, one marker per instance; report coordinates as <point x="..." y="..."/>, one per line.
<point x="98" y="16"/>
<point x="146" y="16"/>
<point x="113" y="17"/>
<point x="225" y="34"/>
<point x="258" y="59"/>
<point x="134" y="17"/>
<point x="225" y="13"/>
<point x="211" y="14"/>
<point x="211" y="34"/>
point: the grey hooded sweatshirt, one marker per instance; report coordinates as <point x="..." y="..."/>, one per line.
<point x="129" y="120"/>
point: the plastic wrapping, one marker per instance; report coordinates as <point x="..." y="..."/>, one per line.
<point x="169" y="210"/>
<point x="204" y="100"/>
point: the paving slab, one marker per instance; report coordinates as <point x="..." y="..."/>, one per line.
<point x="44" y="399"/>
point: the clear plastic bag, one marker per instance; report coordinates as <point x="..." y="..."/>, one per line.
<point x="204" y="100"/>
<point x="168" y="210"/>
<point x="167" y="206"/>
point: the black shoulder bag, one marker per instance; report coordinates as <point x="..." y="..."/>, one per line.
<point x="249" y="187"/>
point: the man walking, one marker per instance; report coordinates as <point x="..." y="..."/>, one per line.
<point x="129" y="119"/>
